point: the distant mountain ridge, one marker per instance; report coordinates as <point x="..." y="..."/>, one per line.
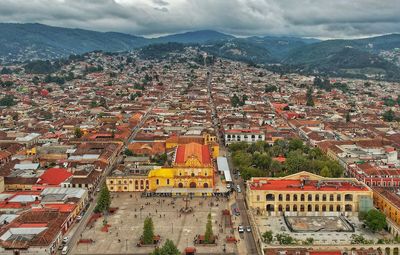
<point x="359" y="57"/>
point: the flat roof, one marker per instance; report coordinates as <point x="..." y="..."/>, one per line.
<point x="223" y="166"/>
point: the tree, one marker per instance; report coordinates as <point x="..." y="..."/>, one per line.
<point x="348" y="118"/>
<point x="375" y="220"/>
<point x="310" y="101"/>
<point x="235" y="101"/>
<point x="128" y="152"/>
<point x="93" y="104"/>
<point x="168" y="248"/>
<point x="148" y="231"/>
<point x="296" y="144"/>
<point x="325" y="172"/>
<point x="296" y="162"/>
<point x="267" y="237"/>
<point x="78" y="133"/>
<point x="309" y="241"/>
<point x="284" y="238"/>
<point x="270" y="88"/>
<point x="388" y="116"/>
<point x="104" y="200"/>
<point x="209" y="236"/>
<point x="7" y="101"/>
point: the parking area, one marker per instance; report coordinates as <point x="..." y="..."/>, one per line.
<point x="126" y="224"/>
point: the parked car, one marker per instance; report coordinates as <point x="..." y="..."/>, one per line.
<point x="65" y="240"/>
<point x="248" y="229"/>
<point x="64" y="251"/>
<point x="228" y="186"/>
<point x="236" y="211"/>
<point x="238" y="189"/>
<point x="240" y="229"/>
<point x="79" y="217"/>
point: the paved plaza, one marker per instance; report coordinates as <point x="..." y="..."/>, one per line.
<point x="127" y="225"/>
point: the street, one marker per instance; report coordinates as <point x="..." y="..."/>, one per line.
<point x="240" y="198"/>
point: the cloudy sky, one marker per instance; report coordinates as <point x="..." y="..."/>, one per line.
<point x="308" y="18"/>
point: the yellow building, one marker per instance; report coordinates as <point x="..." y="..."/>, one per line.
<point x="389" y="203"/>
<point x="192" y="168"/>
<point x="307" y="194"/>
<point x="128" y="183"/>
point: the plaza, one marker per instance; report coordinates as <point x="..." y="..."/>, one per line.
<point x="126" y="225"/>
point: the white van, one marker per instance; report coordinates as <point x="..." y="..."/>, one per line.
<point x="64" y="250"/>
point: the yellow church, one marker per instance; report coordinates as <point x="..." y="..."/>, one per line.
<point x="192" y="168"/>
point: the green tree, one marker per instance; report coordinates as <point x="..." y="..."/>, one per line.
<point x="128" y="152"/>
<point x="325" y="172"/>
<point x="168" y="248"/>
<point x="104" y="200"/>
<point x="93" y="104"/>
<point x="388" y="116"/>
<point x="284" y="238"/>
<point x="148" y="231"/>
<point x="348" y="118"/>
<point x="267" y="237"/>
<point x="309" y="241"/>
<point x="78" y="133"/>
<point x="296" y="162"/>
<point x="270" y="88"/>
<point x="235" y="101"/>
<point x="8" y="100"/>
<point x="296" y="144"/>
<point x="375" y="220"/>
<point x="209" y="236"/>
<point x="310" y="101"/>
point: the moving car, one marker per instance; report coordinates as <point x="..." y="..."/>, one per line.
<point x="248" y="229"/>
<point x="236" y="211"/>
<point x="240" y="229"/>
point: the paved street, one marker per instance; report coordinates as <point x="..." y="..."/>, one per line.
<point x="251" y="248"/>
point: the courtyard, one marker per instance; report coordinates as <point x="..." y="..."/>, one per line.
<point x="323" y="230"/>
<point x="318" y="224"/>
<point x="126" y="225"/>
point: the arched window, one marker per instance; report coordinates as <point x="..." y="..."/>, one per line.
<point x="309" y="198"/>
<point x="287" y="197"/>
<point x="270" y="197"/>
<point x="348" y="197"/>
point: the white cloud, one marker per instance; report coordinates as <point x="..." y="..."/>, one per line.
<point x="313" y="18"/>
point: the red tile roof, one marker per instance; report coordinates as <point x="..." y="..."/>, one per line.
<point x="54" y="176"/>
<point x="186" y="151"/>
<point x="295" y="185"/>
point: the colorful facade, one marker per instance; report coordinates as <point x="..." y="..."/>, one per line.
<point x="389" y="203"/>
<point x="192" y="168"/>
<point x="308" y="194"/>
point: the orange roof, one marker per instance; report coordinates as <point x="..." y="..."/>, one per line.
<point x="185" y="151"/>
<point x="61" y="207"/>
